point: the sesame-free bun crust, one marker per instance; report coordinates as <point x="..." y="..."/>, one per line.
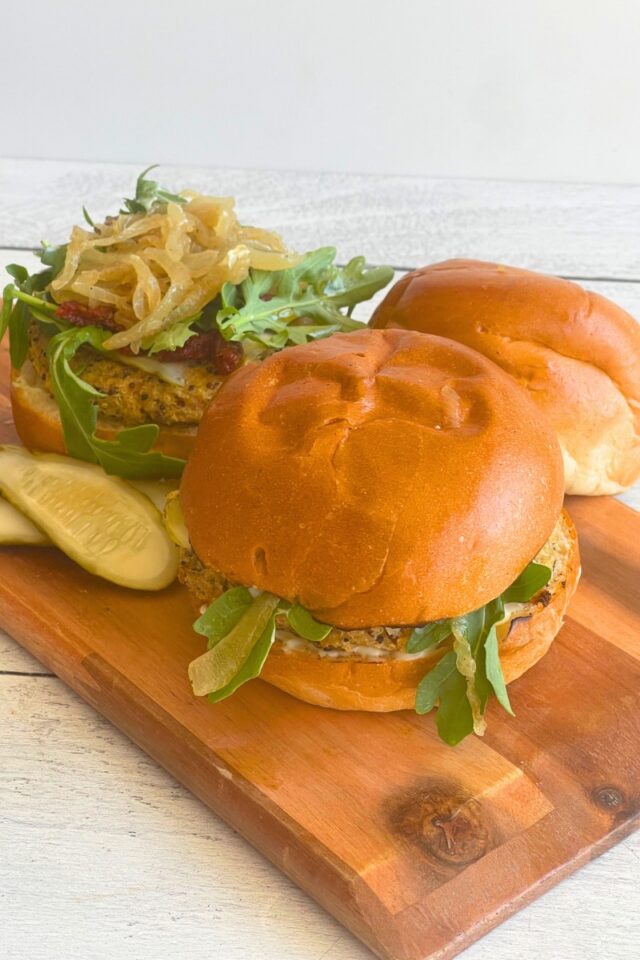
<point x="377" y="477"/>
<point x="38" y="425"/>
<point x="577" y="353"/>
<point x="386" y="685"/>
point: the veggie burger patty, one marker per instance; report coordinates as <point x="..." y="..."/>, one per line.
<point x="131" y="395"/>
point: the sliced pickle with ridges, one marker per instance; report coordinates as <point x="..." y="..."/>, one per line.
<point x="100" y="521"/>
<point x="16" y="530"/>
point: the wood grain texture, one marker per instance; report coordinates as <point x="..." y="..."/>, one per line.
<point x="103" y="855"/>
<point x="572" y="229"/>
<point x="417" y="848"/>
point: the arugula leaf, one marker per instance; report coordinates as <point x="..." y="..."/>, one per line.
<point x="19" y="273"/>
<point x="8" y="296"/>
<point x="462" y="699"/>
<point x="18" y="307"/>
<point x="129" y="454"/>
<point x="53" y="257"/>
<point x="533" y="578"/>
<point x="454" y="718"/>
<point x="240" y="630"/>
<point x="494" y="670"/>
<point x="173" y="337"/>
<point x="236" y="656"/>
<point x="252" y="667"/>
<point x="430" y="686"/>
<point x="223" y="614"/>
<point x="482" y="622"/>
<point x="87" y="217"/>
<point x="306" y="626"/>
<point x="428" y="636"/>
<point x="149" y="194"/>
<point x="18" y="334"/>
<point x="301" y="303"/>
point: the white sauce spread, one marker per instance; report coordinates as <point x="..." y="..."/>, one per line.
<point x="291" y="643"/>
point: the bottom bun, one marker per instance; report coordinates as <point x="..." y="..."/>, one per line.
<point x="37" y="420"/>
<point x="390" y="684"/>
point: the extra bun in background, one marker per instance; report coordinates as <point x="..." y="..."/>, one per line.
<point x="37" y="421"/>
<point x="377" y="477"/>
<point x="577" y="354"/>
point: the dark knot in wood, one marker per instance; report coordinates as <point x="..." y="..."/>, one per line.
<point x="608" y="797"/>
<point x="446" y="824"/>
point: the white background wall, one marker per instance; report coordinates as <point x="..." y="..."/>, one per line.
<point x="484" y="88"/>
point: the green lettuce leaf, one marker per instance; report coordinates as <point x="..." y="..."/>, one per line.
<point x="129" y="455"/>
<point x="302" y="303"/>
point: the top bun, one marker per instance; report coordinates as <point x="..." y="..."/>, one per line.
<point x="377" y="477"/>
<point x="576" y="352"/>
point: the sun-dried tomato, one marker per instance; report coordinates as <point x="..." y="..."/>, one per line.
<point x="81" y="315"/>
<point x="206" y="347"/>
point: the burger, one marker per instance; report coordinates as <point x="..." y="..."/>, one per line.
<point x="374" y="522"/>
<point x="575" y="352"/>
<point x="121" y="341"/>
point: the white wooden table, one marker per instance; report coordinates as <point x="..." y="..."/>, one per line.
<point x="102" y="854"/>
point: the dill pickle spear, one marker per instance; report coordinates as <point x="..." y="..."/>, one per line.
<point x="101" y="522"/>
<point x="16" y="530"/>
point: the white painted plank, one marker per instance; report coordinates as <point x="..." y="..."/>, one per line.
<point x="578" y="229"/>
<point x="103" y="854"/>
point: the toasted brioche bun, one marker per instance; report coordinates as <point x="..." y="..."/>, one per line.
<point x="377" y="477"/>
<point x="390" y="684"/>
<point x="577" y="353"/>
<point x="37" y="420"/>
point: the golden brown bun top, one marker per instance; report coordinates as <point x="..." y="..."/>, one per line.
<point x="576" y="353"/>
<point x="378" y="477"/>
<point x="465" y="299"/>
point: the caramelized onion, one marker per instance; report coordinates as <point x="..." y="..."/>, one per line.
<point x="158" y="268"/>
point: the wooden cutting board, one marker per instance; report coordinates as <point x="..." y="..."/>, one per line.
<point x="418" y="848"/>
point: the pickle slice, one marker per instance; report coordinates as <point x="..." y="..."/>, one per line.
<point x="174" y="521"/>
<point x="101" y="522"/>
<point x="156" y="490"/>
<point x="16" y="530"/>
